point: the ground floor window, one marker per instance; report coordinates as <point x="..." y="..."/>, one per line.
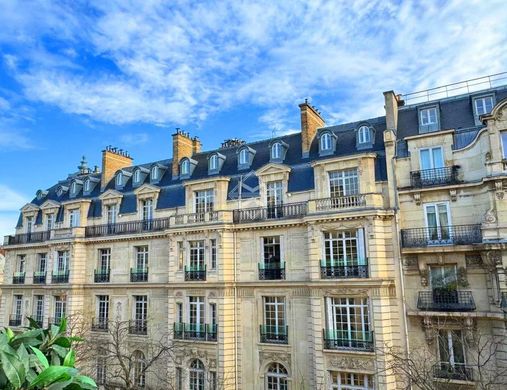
<point x="276" y="377"/>
<point x="196" y="376"/>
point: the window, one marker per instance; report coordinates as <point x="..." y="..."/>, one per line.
<point x="213" y="162"/>
<point x="38" y="312"/>
<point x="274" y="196"/>
<point x="276" y="377"/>
<point x="325" y="142"/>
<point x="17" y="307"/>
<point x="102" y="310"/>
<point x="179" y="378"/>
<point x="29" y="224"/>
<point x="350" y="381"/>
<point x="347" y="323"/>
<point x="213" y="380"/>
<point x="483" y="105"/>
<point x="344" y="248"/>
<point x="21" y="263"/>
<point x="119" y="179"/>
<point x="428" y="119"/>
<point x="179" y="312"/>
<point x="243" y="156"/>
<point x="139" y="369"/>
<point x="147" y="209"/>
<point x="141" y="258"/>
<point x="50" y="221"/>
<point x="196" y="377"/>
<point x="274" y="329"/>
<point x="197" y="261"/>
<point x="431" y="158"/>
<point x="74" y="218"/>
<point x="140" y="313"/>
<point x="60" y="309"/>
<point x="62" y="263"/>
<point x="213" y="313"/>
<point x="437" y="222"/>
<point x="73" y="188"/>
<point x="364" y="135"/>
<point x="503" y="135"/>
<point x="343" y="183"/>
<point x="154" y="173"/>
<point x="87" y="185"/>
<point x="213" y="254"/>
<point x="104" y="259"/>
<point x="137" y="176"/>
<point x="443" y="277"/>
<point x="272" y="251"/>
<point x="451" y="350"/>
<point x="181" y="255"/>
<point x="101" y="367"/>
<point x="41" y="262"/>
<point x="196" y="312"/>
<point x="276" y="151"/>
<point x="111" y="214"/>
<point x="185" y="167"/>
<point x="204" y="201"/>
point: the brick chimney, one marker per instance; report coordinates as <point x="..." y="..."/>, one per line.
<point x="112" y="160"/>
<point x="310" y="122"/>
<point x="391" y="103"/>
<point x="183" y="146"/>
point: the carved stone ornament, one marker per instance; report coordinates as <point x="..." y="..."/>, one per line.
<point x="429" y="332"/>
<point x="417" y="198"/>
<point x="470" y="327"/>
<point x="424" y="277"/>
<point x="462" y="277"/>
<point x="490" y="216"/>
<point x="499" y="189"/>
<point x="473" y="260"/>
<point x="453" y="194"/>
<point x="491" y="259"/>
<point x="410" y="261"/>
<point x="266" y="357"/>
<point x="346" y="362"/>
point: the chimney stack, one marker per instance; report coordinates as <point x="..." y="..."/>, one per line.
<point x="392" y="101"/>
<point x="310" y="122"/>
<point x="183" y="146"/>
<point x="113" y="159"/>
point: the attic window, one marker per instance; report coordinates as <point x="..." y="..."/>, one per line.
<point x="154" y="173"/>
<point x="243" y="156"/>
<point x="137" y="176"/>
<point x="276" y="151"/>
<point x="364" y="135"/>
<point x="185" y="167"/>
<point x="325" y="142"/>
<point x="213" y="162"/>
<point x="87" y="185"/>
<point x="119" y="179"/>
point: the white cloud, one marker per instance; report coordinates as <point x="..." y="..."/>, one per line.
<point x="131" y="139"/>
<point x="10" y="200"/>
<point x="159" y="63"/>
<point x="14" y="140"/>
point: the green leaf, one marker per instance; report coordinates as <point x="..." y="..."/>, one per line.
<point x="61" y="351"/>
<point x="85" y="382"/>
<point x="9" y="333"/>
<point x="13" y="368"/>
<point x="70" y="359"/>
<point x="63" y="342"/>
<point x="52" y="374"/>
<point x="60" y="385"/>
<point x="24" y="357"/>
<point x="63" y="325"/>
<point x="41" y="357"/>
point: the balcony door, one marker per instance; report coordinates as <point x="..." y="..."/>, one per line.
<point x="347" y="321"/>
<point x="275" y="199"/>
<point x="343" y="183"/>
<point x="18" y="307"/>
<point x="431" y="158"/>
<point x="102" y="310"/>
<point x="438" y="223"/>
<point x="62" y="263"/>
<point x="451" y="351"/>
<point x="140" y="312"/>
<point x="60" y="309"/>
<point x="196" y="315"/>
<point x="444" y="284"/>
<point x="204" y="203"/>
<point x="274" y="317"/>
<point x="272" y="252"/>
<point x="197" y="261"/>
<point x="345" y="248"/>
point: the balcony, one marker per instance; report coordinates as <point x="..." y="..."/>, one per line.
<point x="195" y="273"/>
<point x="99" y="325"/>
<point x="139" y="327"/>
<point x="139" y="226"/>
<point x="101" y="275"/>
<point x="343" y="340"/>
<point x="256" y="214"/>
<point x="15" y="320"/>
<point x="182" y="219"/>
<point x="434" y="177"/>
<point x="443" y="235"/>
<point x="340" y="271"/>
<point x="39" y="277"/>
<point x="272" y="271"/>
<point x="138" y="274"/>
<point x="60" y="277"/>
<point x="201" y="332"/>
<point x="457" y="371"/>
<point x="18" y="278"/>
<point x="274" y="334"/>
<point x="340" y="202"/>
<point x="28" y="238"/>
<point x="443" y="299"/>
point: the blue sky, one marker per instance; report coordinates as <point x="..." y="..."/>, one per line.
<point x="76" y="76"/>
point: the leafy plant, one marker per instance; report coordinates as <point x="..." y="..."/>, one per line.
<point x="40" y="359"/>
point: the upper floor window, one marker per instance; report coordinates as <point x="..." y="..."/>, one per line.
<point x="483" y="105"/>
<point x="364" y="135"/>
<point x="325" y="142"/>
<point x="21" y="263"/>
<point x="74" y="218"/>
<point x="503" y="134"/>
<point x="50" y="221"/>
<point x="276" y="151"/>
<point x="431" y="158"/>
<point x="87" y="185"/>
<point x="155" y="173"/>
<point x="213" y="162"/>
<point x="185" y="167"/>
<point x="243" y="156"/>
<point x="451" y="351"/>
<point x="274" y="329"/>
<point x="276" y="377"/>
<point x="147" y="209"/>
<point x="119" y="179"/>
<point x="137" y="176"/>
<point x="139" y="369"/>
<point x="29" y="224"/>
<point x="204" y="201"/>
<point x="350" y="381"/>
<point x="73" y="188"/>
<point x="343" y="183"/>
<point x="428" y="119"/>
<point x="196" y="375"/>
<point x="344" y="249"/>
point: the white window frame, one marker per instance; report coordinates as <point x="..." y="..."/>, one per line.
<point x="344" y="178"/>
<point x="276" y="151"/>
<point x="243" y="156"/>
<point x="74" y="218"/>
<point x="482" y="99"/>
<point x="38" y="307"/>
<point x="363" y="135"/>
<point x="361" y="304"/>
<point x="196" y="310"/>
<point x="29" y="224"/>
<point x="140" y="316"/>
<point x="60" y="307"/>
<point x="335" y="379"/>
<point x="111" y="213"/>
<point x="197" y="375"/>
<point x="204" y="201"/>
<point x="50" y="221"/>
<point x="86" y="187"/>
<point x="432" y="151"/>
<point x="185" y="167"/>
<point x="504" y="144"/>
<point x="102" y="308"/>
<point x="330" y="237"/>
<point x="450" y="348"/>
<point x="137" y="176"/>
<point x="154" y="173"/>
<point x="17" y="305"/>
<point x="119" y="179"/>
<point x="147" y="209"/>
<point x="213" y="162"/>
<point x="439" y="227"/>
<point x="325" y="142"/>
<point x="281" y="377"/>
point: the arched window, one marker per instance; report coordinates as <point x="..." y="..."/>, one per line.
<point x="73" y="188"/>
<point x="276" y="150"/>
<point x="154" y="173"/>
<point x="325" y="141"/>
<point x="87" y="185"/>
<point x="243" y="156"/>
<point x="213" y="162"/>
<point x="276" y="377"/>
<point x="364" y="135"/>
<point x="139" y="367"/>
<point x="119" y="179"/>
<point x="196" y="377"/>
<point x="137" y="176"/>
<point x="185" y="167"/>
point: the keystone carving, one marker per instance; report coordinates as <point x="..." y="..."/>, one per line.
<point x="410" y="261"/>
<point x="270" y="356"/>
<point x="429" y="332"/>
<point x="417" y="198"/>
<point x="491" y="259"/>
<point x="453" y="194"/>
<point x="424" y="277"/>
<point x="490" y="216"/>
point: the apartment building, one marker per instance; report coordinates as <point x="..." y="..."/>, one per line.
<point x="288" y="263"/>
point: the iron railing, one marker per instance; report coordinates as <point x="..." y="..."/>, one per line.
<point x="202" y="332"/>
<point x="255" y="214"/>
<point x="443" y="235"/>
<point x="102" y="275"/>
<point x="356" y="340"/>
<point x="194" y="273"/>
<point x="209" y="216"/>
<point x="340" y="202"/>
<point x="138" y="327"/>
<point x="454" y="371"/>
<point x="60" y="277"/>
<point x="434" y="177"/>
<point x="341" y="271"/>
<point x="443" y="299"/>
<point x="139" y="274"/>
<point x="39" y="277"/>
<point x="274" y="334"/>
<point x="139" y="226"/>
<point x="272" y="271"/>
<point x="27" y="238"/>
<point x="100" y="324"/>
<point x="18" y="278"/>
<point x="15" y="320"/>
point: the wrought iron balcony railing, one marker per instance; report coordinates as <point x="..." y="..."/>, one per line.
<point x="330" y="270"/>
<point x="139" y="274"/>
<point x="454" y="371"/>
<point x="27" y="238"/>
<point x="100" y="324"/>
<point x="340" y="202"/>
<point x="138" y="327"/>
<point x="273" y="334"/>
<point x="18" y="278"/>
<point x="60" y="277"/>
<point x="443" y="235"/>
<point x="442" y="299"/>
<point x="355" y="340"/>
<point x="272" y="271"/>
<point x="39" y="277"/>
<point x="289" y="210"/>
<point x="434" y="177"/>
<point x="195" y="273"/>
<point x="15" y="320"/>
<point x="209" y="216"/>
<point x="102" y="275"/>
<point x="202" y="332"/>
<point x="139" y="226"/>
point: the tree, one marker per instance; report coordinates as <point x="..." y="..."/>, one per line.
<point x="40" y="359"/>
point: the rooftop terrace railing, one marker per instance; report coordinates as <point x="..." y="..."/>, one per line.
<point x="255" y="214"/>
<point x="139" y="226"/>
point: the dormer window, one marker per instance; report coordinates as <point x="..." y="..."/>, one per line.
<point x="61" y="190"/>
<point x="428" y="119"/>
<point x="213" y="162"/>
<point x="155" y="173"/>
<point x="119" y="179"/>
<point x="87" y="185"/>
<point x="137" y="176"/>
<point x="276" y="151"/>
<point x="243" y="156"/>
<point x="185" y="167"/>
<point x="482" y="105"/>
<point x="363" y="135"/>
<point x="325" y="141"/>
